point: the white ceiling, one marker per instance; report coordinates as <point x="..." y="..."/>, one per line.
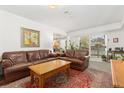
<point x="71" y="17"/>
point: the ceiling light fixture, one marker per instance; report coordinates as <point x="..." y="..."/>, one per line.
<point x="66" y="12"/>
<point x="52" y="6"/>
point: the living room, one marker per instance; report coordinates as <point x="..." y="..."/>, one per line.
<point x="60" y="46"/>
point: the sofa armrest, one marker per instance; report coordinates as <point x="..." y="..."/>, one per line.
<point x="52" y="55"/>
<point x="5" y="63"/>
<point x="87" y="56"/>
<point x="84" y="58"/>
<point x="86" y="61"/>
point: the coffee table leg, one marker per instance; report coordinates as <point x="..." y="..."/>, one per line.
<point x="41" y="82"/>
<point x="32" y="77"/>
<point x="68" y="72"/>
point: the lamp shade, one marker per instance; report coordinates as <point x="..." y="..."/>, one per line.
<point x="56" y="44"/>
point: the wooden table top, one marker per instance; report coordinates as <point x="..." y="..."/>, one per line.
<point x="48" y="66"/>
<point x="117" y="68"/>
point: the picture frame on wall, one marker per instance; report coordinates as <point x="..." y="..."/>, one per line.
<point x="30" y="37"/>
<point x="115" y="40"/>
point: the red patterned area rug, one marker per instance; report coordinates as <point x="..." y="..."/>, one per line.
<point x="77" y="79"/>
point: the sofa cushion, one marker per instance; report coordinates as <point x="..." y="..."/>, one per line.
<point x="33" y="56"/>
<point x="15" y="57"/>
<point x="82" y="58"/>
<point x="38" y="61"/>
<point x="80" y="54"/>
<point x="72" y="60"/>
<point x="77" y="54"/>
<point x="6" y="63"/>
<point x="44" y="54"/>
<point x="69" y="53"/>
<point x="52" y="55"/>
<point x="43" y="60"/>
<point x="17" y="67"/>
<point x="62" y="55"/>
<point x="84" y="52"/>
<point x="41" y="55"/>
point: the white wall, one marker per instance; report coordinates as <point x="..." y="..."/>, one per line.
<point x="115" y="34"/>
<point x="10" y="33"/>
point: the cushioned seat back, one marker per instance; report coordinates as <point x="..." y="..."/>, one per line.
<point x="44" y="54"/>
<point x="77" y="54"/>
<point x="84" y="52"/>
<point x="33" y="55"/>
<point x="69" y="53"/>
<point x="81" y="53"/>
<point x="15" y="57"/>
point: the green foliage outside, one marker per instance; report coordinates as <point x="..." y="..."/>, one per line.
<point x="83" y="43"/>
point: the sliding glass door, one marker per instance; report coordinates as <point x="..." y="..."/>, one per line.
<point x="98" y="45"/>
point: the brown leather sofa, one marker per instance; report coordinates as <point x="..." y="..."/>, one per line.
<point x="15" y="64"/>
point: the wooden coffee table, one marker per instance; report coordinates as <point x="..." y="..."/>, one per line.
<point x="45" y="70"/>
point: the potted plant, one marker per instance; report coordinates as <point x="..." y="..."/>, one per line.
<point x="104" y="58"/>
<point x="122" y="58"/>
